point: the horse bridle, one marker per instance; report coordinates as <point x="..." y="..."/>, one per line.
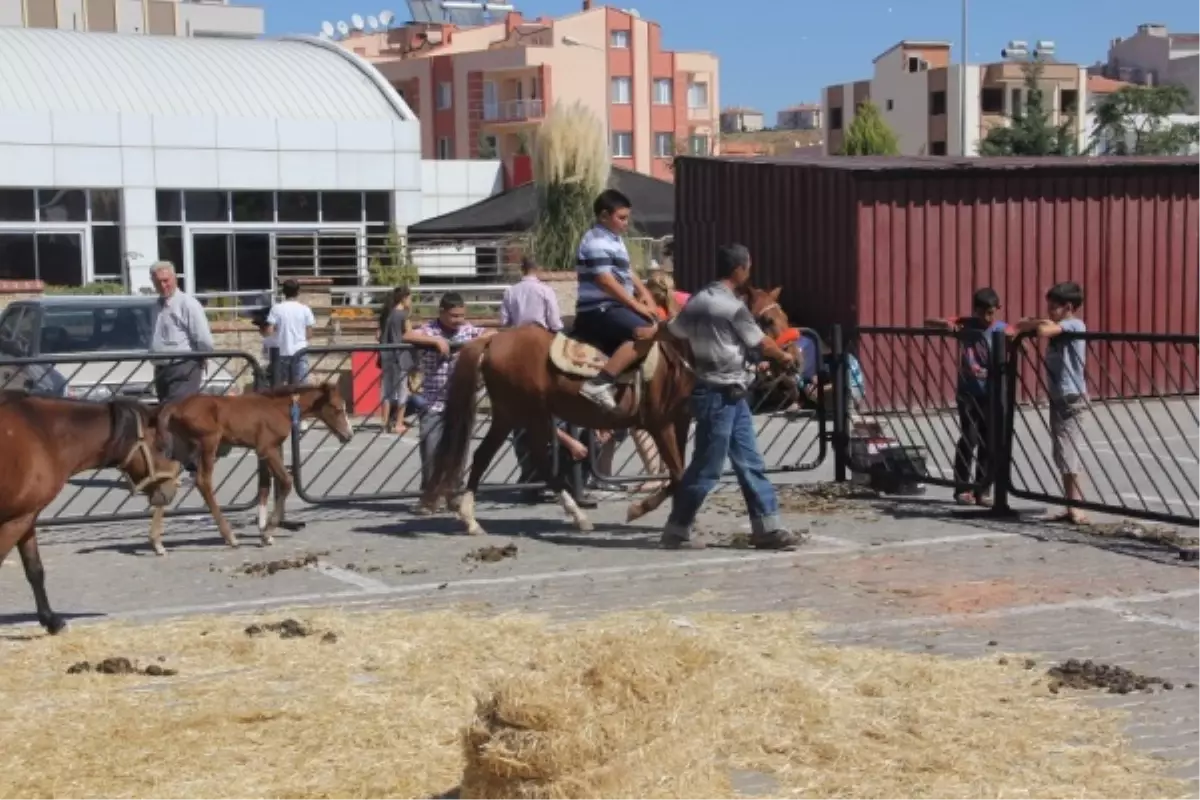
<point x="143" y="447"/>
<point x="761" y="317"/>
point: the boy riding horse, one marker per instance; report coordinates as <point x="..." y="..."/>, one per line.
<point x="614" y="312"/>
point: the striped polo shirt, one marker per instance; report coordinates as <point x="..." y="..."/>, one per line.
<point x="601" y="252"/>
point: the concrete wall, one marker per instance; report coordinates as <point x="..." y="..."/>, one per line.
<point x="450" y="185"/>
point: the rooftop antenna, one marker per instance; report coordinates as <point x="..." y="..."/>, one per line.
<point x="342" y="28"/>
<point x="327" y="29"/>
<point x="372" y="22"/>
<point x="386" y="17"/>
<point x="356" y="22"/>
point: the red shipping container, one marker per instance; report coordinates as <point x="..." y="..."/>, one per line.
<point x="893" y="241"/>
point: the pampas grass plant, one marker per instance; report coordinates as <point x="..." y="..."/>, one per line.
<point x="570" y="167"/>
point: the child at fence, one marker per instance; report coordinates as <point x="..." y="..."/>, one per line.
<point x="437" y="359"/>
<point x="1066" y="385"/>
<point x="974" y="419"/>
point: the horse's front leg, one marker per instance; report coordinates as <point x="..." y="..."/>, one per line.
<point x="497" y="433"/>
<point x="670" y="438"/>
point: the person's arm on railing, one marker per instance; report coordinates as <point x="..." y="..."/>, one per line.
<point x="947" y="324"/>
<point x="427" y="340"/>
<point x="1045" y="328"/>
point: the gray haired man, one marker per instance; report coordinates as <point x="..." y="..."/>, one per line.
<point x="724" y="339"/>
<point x="179" y="327"/>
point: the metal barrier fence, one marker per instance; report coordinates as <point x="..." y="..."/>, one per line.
<point x="102" y="495"/>
<point x="1130" y="436"/>
<point x="376" y="465"/>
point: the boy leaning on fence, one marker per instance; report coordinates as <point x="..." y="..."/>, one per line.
<point x="1066" y="385"/>
<point x="974" y="419"/>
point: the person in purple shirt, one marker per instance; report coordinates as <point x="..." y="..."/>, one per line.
<point x="530" y="300"/>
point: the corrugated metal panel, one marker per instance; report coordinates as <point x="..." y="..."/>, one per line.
<point x="798" y="223"/>
<point x="301" y="78"/>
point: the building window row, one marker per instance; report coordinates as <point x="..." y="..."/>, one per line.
<point x="271" y="207"/>
<point x="52" y="234"/>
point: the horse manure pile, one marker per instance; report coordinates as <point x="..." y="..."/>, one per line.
<point x="630" y="705"/>
<point x="490" y="554"/>
<point x="289" y="629"/>
<point x="264" y="568"/>
<point x="827" y="498"/>
<point x="1076" y="674"/>
<point x="1143" y="532"/>
<point x="119" y="665"/>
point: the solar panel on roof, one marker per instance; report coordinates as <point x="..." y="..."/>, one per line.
<point x="419" y="9"/>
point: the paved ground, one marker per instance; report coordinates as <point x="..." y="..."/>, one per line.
<point x="915" y="575"/>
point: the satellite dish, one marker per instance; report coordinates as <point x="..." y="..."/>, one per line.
<point x="327" y="29"/>
<point x="343" y="28"/>
<point x="356" y="21"/>
<point x="386" y="17"/>
<point x="633" y="12"/>
<point x="373" y="23"/>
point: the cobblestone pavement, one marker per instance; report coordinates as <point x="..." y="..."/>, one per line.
<point x="914" y="575"/>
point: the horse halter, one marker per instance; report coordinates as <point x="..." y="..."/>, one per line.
<point x="761" y="317"/>
<point x="143" y="447"/>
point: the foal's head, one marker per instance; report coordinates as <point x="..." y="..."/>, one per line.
<point x="325" y="403"/>
<point x="133" y="447"/>
<point x="764" y="305"/>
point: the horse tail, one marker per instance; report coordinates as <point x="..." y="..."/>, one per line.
<point x="458" y="421"/>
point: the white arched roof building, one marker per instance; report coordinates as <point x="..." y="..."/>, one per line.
<point x="192" y="139"/>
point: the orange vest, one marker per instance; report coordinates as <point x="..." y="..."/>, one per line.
<point x="789" y="336"/>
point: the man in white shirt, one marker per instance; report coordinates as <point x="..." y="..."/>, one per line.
<point x="289" y="326"/>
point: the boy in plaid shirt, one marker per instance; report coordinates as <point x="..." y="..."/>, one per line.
<point x="436" y="361"/>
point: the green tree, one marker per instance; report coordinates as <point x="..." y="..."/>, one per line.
<point x="1136" y="121"/>
<point x="1031" y="131"/>
<point x="869" y="134"/>
<point x="390" y="264"/>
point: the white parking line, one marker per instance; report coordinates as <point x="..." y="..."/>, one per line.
<point x="353" y="578"/>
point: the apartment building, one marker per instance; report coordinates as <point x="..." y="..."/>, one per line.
<point x="158" y="17"/>
<point x="481" y="92"/>
<point x="802" y="117"/>
<point x="1155" y="56"/>
<point x="919" y="92"/>
<point x="741" y="120"/>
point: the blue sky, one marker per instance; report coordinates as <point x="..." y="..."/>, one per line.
<point x="777" y="53"/>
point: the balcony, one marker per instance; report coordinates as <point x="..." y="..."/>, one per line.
<point x="513" y="111"/>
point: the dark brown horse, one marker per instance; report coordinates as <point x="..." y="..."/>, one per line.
<point x="260" y="421"/>
<point x="782" y="387"/>
<point x="45" y="442"/>
<point x="532" y="376"/>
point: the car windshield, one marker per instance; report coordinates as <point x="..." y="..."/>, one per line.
<point x="95" y="329"/>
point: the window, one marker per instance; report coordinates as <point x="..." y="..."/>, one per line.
<point x="206" y="206"/>
<point x="937" y="103"/>
<point x="664" y="145"/>
<point x="891" y="104"/>
<point x="622" y="90"/>
<point x="618" y="39"/>
<point x="445" y="95"/>
<point x="664" y="91"/>
<point x="698" y="144"/>
<point x="18" y="261"/>
<point x="937" y="148"/>
<point x="107" y="258"/>
<point x="16" y="205"/>
<point x="341" y="206"/>
<point x="170" y="205"/>
<point x="1068" y="100"/>
<point x="253" y="206"/>
<point x="835" y="119"/>
<point x="106" y="205"/>
<point x="86" y="329"/>
<point x="622" y="145"/>
<point x="170" y="245"/>
<point x="698" y="95"/>
<point x="489" y="147"/>
<point x="535" y="88"/>
<point x="298" y="206"/>
<point x="62" y="205"/>
<point x="1016" y="107"/>
<point x="445" y="150"/>
<point x="379" y="207"/>
<point x="991" y="101"/>
<point x="60" y="259"/>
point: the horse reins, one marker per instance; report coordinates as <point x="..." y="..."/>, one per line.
<point x="141" y="446"/>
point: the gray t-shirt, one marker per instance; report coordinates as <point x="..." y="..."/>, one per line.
<point x="1065" y="362"/>
<point x="181" y="326"/>
<point x="394" y="328"/>
<point x="722" y="333"/>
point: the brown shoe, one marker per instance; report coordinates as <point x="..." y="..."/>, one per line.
<point x="774" y="540"/>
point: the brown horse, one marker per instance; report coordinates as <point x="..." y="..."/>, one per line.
<point x="260" y="421"/>
<point x="782" y="389"/>
<point x="46" y="441"/>
<point x="532" y="376"/>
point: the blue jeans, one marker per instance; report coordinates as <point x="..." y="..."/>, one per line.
<point x="724" y="427"/>
<point x="293" y="369"/>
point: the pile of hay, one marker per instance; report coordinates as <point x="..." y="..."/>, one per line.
<point x="632" y="706"/>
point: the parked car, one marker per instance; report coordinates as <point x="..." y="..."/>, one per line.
<point x="74" y="326"/>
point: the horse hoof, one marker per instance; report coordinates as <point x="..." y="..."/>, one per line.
<point x="475" y="529"/>
<point x="160" y="551"/>
<point x="635" y="512"/>
<point x="585" y="525"/>
<point x="54" y="624"/>
<point x="267" y="541"/>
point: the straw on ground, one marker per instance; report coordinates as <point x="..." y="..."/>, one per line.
<point x="636" y="706"/>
